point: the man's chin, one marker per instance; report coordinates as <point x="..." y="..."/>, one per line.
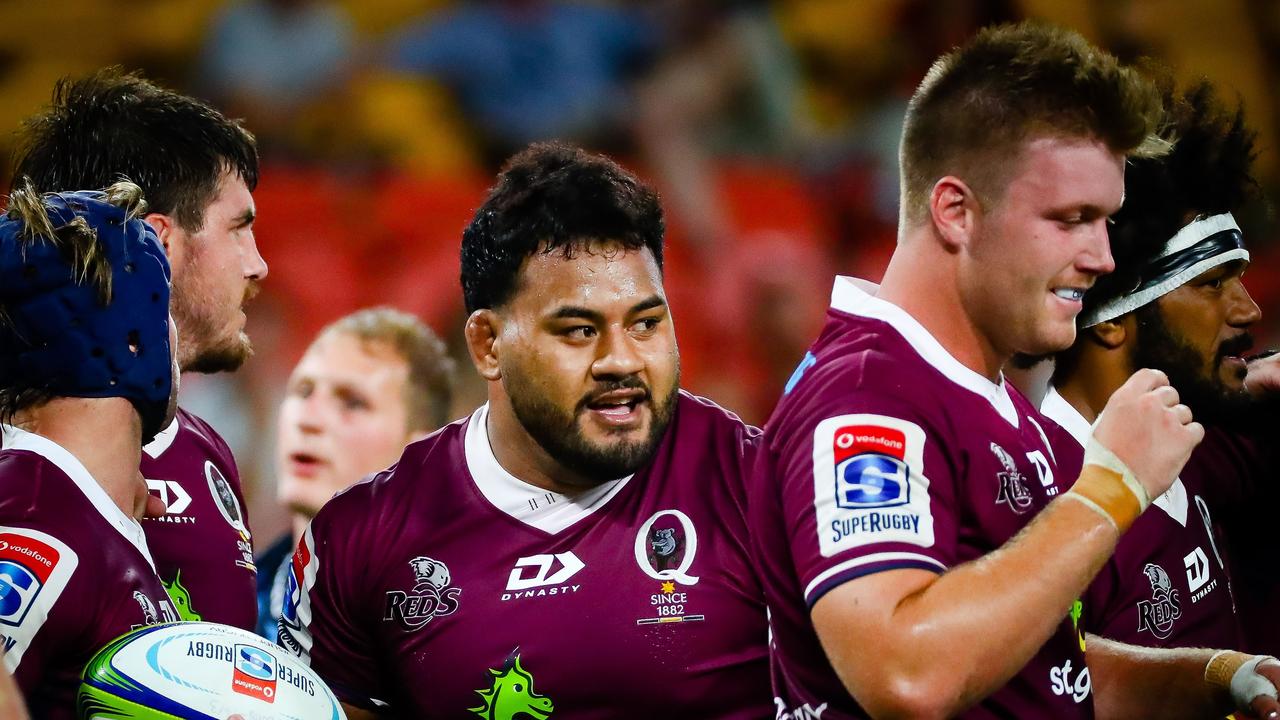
<point x="227" y="358"/>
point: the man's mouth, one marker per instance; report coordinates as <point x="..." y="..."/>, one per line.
<point x="619" y="408"/>
<point x="1071" y="294"/>
<point x="304" y="464"/>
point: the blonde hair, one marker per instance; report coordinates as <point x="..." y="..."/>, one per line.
<point x="429" y="388"/>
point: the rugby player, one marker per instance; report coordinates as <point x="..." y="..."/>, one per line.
<point x="576" y="546"/>
<point x="924" y="534"/>
<point x="86" y="377"/>
<point x="1180" y="307"/>
<point x="197" y="169"/>
<point x="369" y="384"/>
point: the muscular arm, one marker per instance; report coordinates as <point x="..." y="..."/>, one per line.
<point x="1132" y="682"/>
<point x="944" y="642"/>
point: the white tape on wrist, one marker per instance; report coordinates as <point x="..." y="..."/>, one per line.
<point x="1247" y="684"/>
<point x="1095" y="453"/>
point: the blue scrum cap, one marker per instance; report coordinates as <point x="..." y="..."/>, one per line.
<point x="84" y="300"/>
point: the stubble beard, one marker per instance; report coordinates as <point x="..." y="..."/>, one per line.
<point x="200" y="350"/>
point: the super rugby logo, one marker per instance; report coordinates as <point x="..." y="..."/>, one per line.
<point x="433" y="596"/>
<point x="1158" y="614"/>
<point x="255" y="673"/>
<point x="870" y="471"/>
<point x="25" y="567"/>
<point x="869" y="484"/>
<point x="35" y="568"/>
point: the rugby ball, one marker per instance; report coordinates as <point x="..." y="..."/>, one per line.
<point x="200" y="671"/>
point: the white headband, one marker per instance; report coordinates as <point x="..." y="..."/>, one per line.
<point x="1227" y="247"/>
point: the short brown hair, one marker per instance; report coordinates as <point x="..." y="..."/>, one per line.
<point x="429" y="388"/>
<point x="980" y="103"/>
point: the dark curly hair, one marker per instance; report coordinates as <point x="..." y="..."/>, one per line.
<point x="553" y="197"/>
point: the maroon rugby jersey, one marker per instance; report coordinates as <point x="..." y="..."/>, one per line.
<point x="1167" y="584"/>
<point x="202" y="546"/>
<point x="415" y="590"/>
<point x="886" y="453"/>
<point x="74" y="572"/>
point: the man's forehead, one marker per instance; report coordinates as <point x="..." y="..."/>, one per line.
<point x="595" y="274"/>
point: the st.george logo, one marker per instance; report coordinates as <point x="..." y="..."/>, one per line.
<point x="870" y="468"/>
<point x="433" y="596"/>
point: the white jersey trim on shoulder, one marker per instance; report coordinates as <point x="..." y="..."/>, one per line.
<point x="1174" y="502"/>
<point x="19" y="439"/>
<point x="531" y="505"/>
<point x="847" y="297"/>
<point x="163" y="439"/>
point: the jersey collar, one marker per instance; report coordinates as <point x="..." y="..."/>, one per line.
<point x="19" y="439"/>
<point x="848" y="298"/>
<point x="547" y="511"/>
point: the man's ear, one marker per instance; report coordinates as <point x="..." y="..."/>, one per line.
<point x="954" y="208"/>
<point x="169" y="233"/>
<point x="481" y="332"/>
<point x="1111" y="334"/>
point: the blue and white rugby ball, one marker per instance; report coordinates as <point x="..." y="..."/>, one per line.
<point x="200" y="671"/>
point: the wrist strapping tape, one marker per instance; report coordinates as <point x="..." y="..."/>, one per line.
<point x="1237" y="674"/>
<point x="1109" y="487"/>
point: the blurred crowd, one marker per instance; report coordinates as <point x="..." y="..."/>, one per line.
<point x="770" y="127"/>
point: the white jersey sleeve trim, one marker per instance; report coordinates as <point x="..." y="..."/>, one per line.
<point x="127" y="526"/>
<point x="889" y="557"/>
<point x="847" y="297"/>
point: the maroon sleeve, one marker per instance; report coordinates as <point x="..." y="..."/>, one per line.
<point x="320" y="622"/>
<point x="865" y="487"/>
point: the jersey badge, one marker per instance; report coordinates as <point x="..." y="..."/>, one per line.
<point x="35" y="568"/>
<point x="665" y="548"/>
<point x="869" y="483"/>
<point x="1158" y="614"/>
<point x="511" y="694"/>
<point x="1013" y="485"/>
<point x="433" y="595"/>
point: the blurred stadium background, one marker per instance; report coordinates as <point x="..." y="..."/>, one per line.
<point x="770" y="127"/>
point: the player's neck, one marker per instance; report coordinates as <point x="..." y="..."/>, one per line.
<point x="926" y="288"/>
<point x="520" y="454"/>
<point x="1089" y="387"/>
<point x="104" y="434"/>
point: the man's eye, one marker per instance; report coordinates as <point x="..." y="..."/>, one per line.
<point x="581" y="332"/>
<point x="645" y="324"/>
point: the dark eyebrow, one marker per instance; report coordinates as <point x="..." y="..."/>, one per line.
<point x="566" y="312"/>
<point x="245" y="218"/>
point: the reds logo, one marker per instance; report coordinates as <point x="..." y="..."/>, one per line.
<point x="432" y="595"/>
<point x="870" y="469"/>
<point x="1158" y="613"/>
<point x="1013" y="485"/>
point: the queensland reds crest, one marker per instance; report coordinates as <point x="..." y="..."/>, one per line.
<point x="666" y="545"/>
<point x="870" y="467"/>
